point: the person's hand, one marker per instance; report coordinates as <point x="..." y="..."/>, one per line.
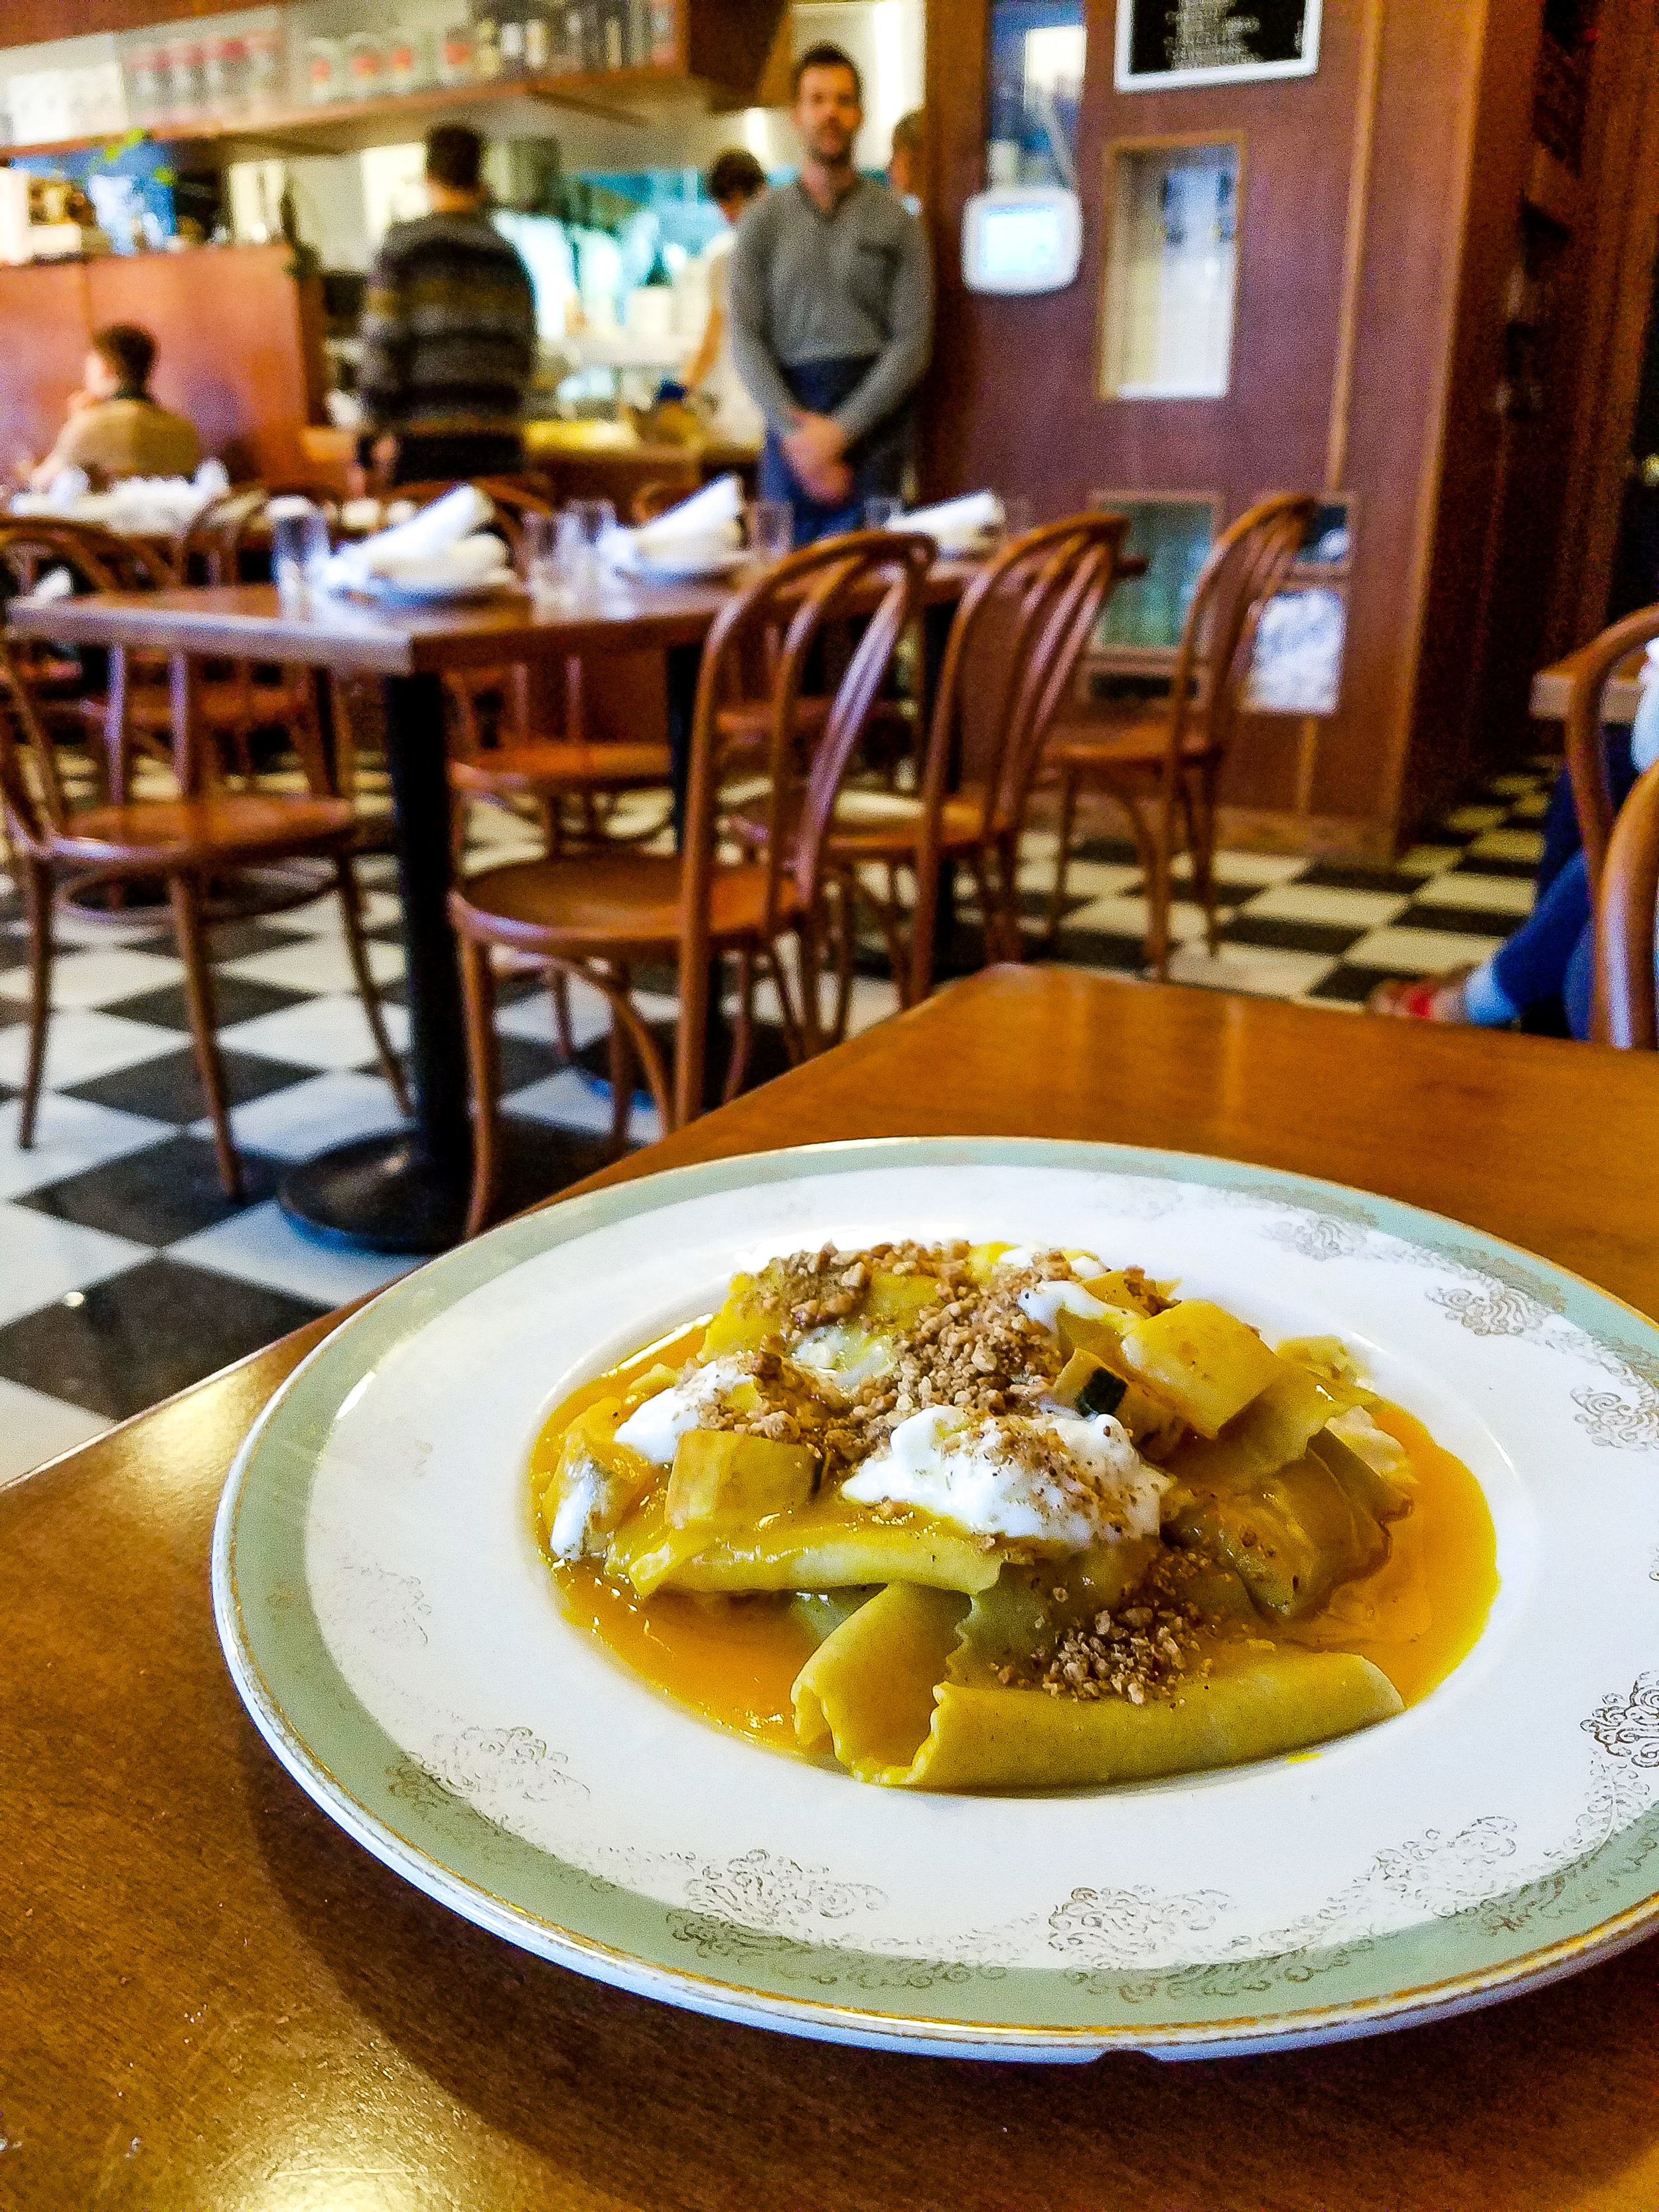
<point x="814" y="450"/>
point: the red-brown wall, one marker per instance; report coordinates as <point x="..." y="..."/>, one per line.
<point x="235" y="333"/>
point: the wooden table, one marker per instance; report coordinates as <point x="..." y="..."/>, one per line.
<point x="407" y="1192"/>
<point x="1551" y="688"/>
<point x="211" y="2001"/>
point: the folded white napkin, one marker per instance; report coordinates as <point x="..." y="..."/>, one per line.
<point x="957" y="522"/>
<point x="433" y="533"/>
<point x="704" y="528"/>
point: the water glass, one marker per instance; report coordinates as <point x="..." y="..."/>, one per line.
<point x="299" y="551"/>
<point x="771" y="530"/>
<point x="1017" y="514"/>
<point x="538" y="554"/>
<point x="882" y="514"/>
<point x="583" y="527"/>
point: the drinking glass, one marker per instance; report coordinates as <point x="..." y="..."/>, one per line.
<point x="299" y="551"/>
<point x="882" y="514"/>
<point x="1017" y="513"/>
<point x="538" y="554"/>
<point x="583" y="527"/>
<point x="771" y="530"/>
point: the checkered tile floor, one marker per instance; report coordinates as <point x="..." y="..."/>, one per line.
<point x="125" y="1274"/>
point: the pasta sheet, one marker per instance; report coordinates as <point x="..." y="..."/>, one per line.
<point x="875" y="1692"/>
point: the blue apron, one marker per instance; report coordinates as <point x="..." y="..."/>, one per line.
<point x="877" y="461"/>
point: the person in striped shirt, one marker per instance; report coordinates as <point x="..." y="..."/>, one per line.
<point x="448" y="331"/>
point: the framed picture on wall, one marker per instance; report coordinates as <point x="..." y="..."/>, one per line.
<point x="1162" y="43"/>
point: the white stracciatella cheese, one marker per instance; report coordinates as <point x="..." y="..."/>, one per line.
<point x="1053" y="1478"/>
<point x="654" y="1428"/>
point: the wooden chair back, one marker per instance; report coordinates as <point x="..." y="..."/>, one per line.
<point x="1587" y="759"/>
<point x="794" y="602"/>
<point x="98" y="560"/>
<point x="32" y="794"/>
<point x="1245" y="566"/>
<point x="1623" y="1010"/>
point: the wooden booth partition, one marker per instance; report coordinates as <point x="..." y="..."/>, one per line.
<point x="239" y="339"/>
<point x="1380" y="208"/>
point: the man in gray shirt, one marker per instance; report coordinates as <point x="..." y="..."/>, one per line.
<point x="831" y="315"/>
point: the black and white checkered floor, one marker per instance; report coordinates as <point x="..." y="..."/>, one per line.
<point x="125" y="1274"/>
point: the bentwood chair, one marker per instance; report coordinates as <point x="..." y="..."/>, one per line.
<point x="1622" y="1009"/>
<point x="1013" y="649"/>
<point x="1587" y="759"/>
<point x="1163" y="769"/>
<point x="600" y="915"/>
<point x="183" y="842"/>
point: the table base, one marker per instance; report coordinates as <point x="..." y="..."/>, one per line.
<point x="379" y="1195"/>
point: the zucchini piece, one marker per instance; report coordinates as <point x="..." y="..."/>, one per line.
<point x="1088" y="1385"/>
<point x="1274" y="1430"/>
<point x="1202" y="1360"/>
<point x="744" y="1324"/>
<point x="719" y="1476"/>
<point x="1153" y="1422"/>
<point x="1371" y="1492"/>
<point x="1290" y="1538"/>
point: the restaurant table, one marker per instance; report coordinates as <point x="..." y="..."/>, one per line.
<point x="1552" y="686"/>
<point x="212" y="2001"/>
<point x="408" y="1191"/>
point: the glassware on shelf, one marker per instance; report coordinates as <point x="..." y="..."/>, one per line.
<point x="224" y="74"/>
<point x="455" y="54"/>
<point x="264" y="65"/>
<point x="183" y="95"/>
<point x="325" y="69"/>
<point x="407" y="59"/>
<point x="147" y="84"/>
<point x="366" y="65"/>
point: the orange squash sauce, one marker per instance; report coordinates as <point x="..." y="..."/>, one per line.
<point x="733" y="1660"/>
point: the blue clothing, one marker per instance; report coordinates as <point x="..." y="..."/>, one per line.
<point x="877" y="461"/>
<point x="1549" y="956"/>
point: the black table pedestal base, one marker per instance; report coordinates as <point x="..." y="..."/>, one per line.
<point x="381" y="1194"/>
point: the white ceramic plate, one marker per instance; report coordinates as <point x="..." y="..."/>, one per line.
<point x="386" y="592"/>
<point x="389" y="1622"/>
<point x="702" y="570"/>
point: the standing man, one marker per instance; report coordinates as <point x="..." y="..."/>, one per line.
<point x="448" y="331"/>
<point x="832" y="315"/>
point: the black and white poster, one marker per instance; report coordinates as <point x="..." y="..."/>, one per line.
<point x="1165" y="43"/>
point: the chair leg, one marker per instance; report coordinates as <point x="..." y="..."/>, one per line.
<point x="186" y="895"/>
<point x="351" y="910"/>
<point x="1068" y="784"/>
<point x="558" y="990"/>
<point x="483" y="1071"/>
<point x="37" y="893"/>
<point x="621" y="1065"/>
<point x="1200" y="837"/>
<point x="743" y="1036"/>
<point x="1160" y="890"/>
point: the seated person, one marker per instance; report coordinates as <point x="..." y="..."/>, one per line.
<point x="1547" y="968"/>
<point x="114" y="428"/>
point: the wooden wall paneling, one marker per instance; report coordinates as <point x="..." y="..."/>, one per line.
<point x="43" y="315"/>
<point x="1618" y="294"/>
<point x="231" y="345"/>
<point x="1427" y="96"/>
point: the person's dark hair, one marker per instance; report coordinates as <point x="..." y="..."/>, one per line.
<point x="130" y="351"/>
<point x="454" y="156"/>
<point x="736" y="175"/>
<point x="824" y="56"/>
